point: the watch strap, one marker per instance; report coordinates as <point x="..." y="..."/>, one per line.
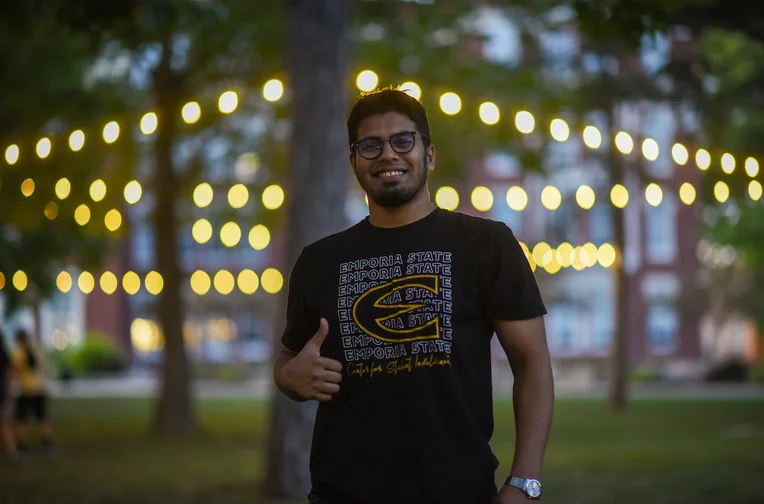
<point x="521" y="484"/>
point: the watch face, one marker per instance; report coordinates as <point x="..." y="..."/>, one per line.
<point x="533" y="488"/>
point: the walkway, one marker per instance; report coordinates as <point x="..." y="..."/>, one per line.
<point x="146" y="386"/>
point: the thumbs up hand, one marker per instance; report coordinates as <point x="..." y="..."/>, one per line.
<point x="310" y="375"/>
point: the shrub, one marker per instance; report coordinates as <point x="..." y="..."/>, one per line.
<point x="731" y="370"/>
<point x="756" y="372"/>
<point x="97" y="354"/>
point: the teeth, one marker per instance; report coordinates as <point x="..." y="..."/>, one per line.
<point x="391" y="173"/>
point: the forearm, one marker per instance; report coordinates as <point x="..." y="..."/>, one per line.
<point x="282" y="359"/>
<point x="533" y="398"/>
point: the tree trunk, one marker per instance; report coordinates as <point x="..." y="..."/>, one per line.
<point x="174" y="414"/>
<point x="318" y="56"/>
<point x="619" y="359"/>
<point x="36" y="322"/>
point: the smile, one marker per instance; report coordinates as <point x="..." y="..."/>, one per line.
<point x="391" y="174"/>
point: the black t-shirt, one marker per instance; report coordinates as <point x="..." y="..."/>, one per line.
<point x="409" y="311"/>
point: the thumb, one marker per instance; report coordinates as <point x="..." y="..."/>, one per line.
<point x="320" y="336"/>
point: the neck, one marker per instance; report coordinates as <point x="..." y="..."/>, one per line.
<point x="416" y="209"/>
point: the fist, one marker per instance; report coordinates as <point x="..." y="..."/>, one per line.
<point x="308" y="374"/>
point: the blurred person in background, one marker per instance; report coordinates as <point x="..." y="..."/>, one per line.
<point x="32" y="400"/>
<point x="6" y="374"/>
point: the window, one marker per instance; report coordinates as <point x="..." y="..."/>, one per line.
<point x="355" y="207"/>
<point x="500" y="210"/>
<point x="502" y="165"/>
<point x="63" y="303"/>
<point x="600" y="224"/>
<point x="661" y="239"/>
<point x="561" y="224"/>
<point x="662" y="326"/>
<point x="143" y="246"/>
<point x="218" y="170"/>
<point x="592" y="63"/>
<point x="603" y="320"/>
<point x="654" y="52"/>
<point x="560" y="48"/>
<point x="186" y="244"/>
<point x="660" y="125"/>
<point x="563" y="154"/>
<point x="561" y="326"/>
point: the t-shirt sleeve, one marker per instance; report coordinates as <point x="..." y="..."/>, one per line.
<point x="301" y="323"/>
<point x="510" y="289"/>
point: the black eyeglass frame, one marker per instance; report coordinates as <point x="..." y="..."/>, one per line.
<point x="354" y="145"/>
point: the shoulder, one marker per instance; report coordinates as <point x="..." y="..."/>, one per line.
<point x="330" y="244"/>
<point x="475" y="226"/>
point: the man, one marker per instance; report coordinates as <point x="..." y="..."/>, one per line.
<point x="389" y="325"/>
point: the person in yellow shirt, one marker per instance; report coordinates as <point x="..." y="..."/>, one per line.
<point x="32" y="399"/>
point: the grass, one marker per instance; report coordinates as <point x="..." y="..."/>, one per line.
<point x="658" y="452"/>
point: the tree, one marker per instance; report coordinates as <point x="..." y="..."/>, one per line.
<point x="730" y="51"/>
<point x="198" y="48"/>
<point x="318" y="55"/>
<point x="43" y="74"/>
<point x="154" y="57"/>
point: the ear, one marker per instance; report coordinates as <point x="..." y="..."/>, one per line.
<point x="431" y="158"/>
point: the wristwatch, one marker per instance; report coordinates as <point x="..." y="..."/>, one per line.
<point x="531" y="487"/>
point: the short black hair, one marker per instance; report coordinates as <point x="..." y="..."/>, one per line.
<point x="386" y="100"/>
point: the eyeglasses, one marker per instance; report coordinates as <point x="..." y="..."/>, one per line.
<point x="402" y="143"/>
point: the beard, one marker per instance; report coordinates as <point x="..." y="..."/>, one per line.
<point x="392" y="194"/>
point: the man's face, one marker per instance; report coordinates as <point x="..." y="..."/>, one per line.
<point x="393" y="178"/>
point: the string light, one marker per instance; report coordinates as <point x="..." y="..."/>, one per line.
<point x="228" y="102"/>
<point x="111" y="132"/>
<point x="624" y="143"/>
<point x="412" y="89"/>
<point x="687" y="193"/>
<point x="191" y="112"/>
<point x="559" y="130"/>
<point x="679" y="154"/>
<point x="524" y="122"/>
<point x="650" y="149"/>
<point x="517" y="198"/>
<point x="592" y="137"/>
<point x="77" y="140"/>
<point x="728" y="163"/>
<point x="273" y="90"/>
<point x="703" y="159"/>
<point x="451" y="104"/>
<point x="367" y="80"/>
<point x="489" y="113"/>
<point x="43" y="148"/>
<point x="447" y="198"/>
<point x="12" y="154"/>
<point x="149" y="123"/>
<point x="272" y="281"/>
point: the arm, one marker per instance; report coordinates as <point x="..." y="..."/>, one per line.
<point x="524" y="342"/>
<point x="306" y="375"/>
<point x="285" y="355"/>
